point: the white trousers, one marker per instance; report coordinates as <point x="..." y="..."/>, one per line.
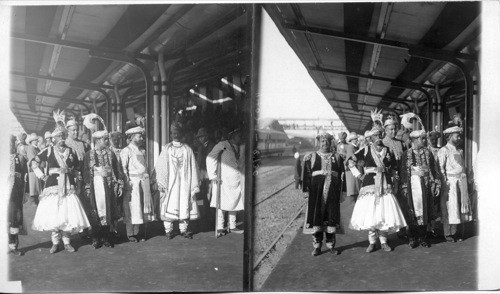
<point x="220" y="219"/>
<point x="169" y="226"/>
<point x="382" y="235"/>
<point x="56" y="237"/>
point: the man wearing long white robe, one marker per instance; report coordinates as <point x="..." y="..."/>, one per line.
<point x="455" y="201"/>
<point x="137" y="199"/>
<point x="232" y="179"/>
<point x="177" y="179"/>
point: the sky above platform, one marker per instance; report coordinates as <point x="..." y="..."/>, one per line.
<point x="286" y="88"/>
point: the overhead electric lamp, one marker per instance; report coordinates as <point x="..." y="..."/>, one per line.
<point x="201" y="96"/>
<point x="225" y="81"/>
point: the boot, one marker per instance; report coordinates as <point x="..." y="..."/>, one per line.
<point x="370" y="248"/>
<point x="316" y="251"/>
<point x="187" y="234"/>
<point x="96" y="244"/>
<point x="54" y="248"/>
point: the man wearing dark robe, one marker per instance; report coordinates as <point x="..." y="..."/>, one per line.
<point x="16" y="192"/>
<point x="102" y="186"/>
<point x="321" y="180"/>
<point x="420" y="184"/>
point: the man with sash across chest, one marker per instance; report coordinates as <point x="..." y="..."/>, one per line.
<point x="102" y="186"/>
<point x="376" y="209"/>
<point x="177" y="179"/>
<point x="115" y="138"/>
<point x="79" y="148"/>
<point x="228" y="182"/>
<point x="321" y="181"/>
<point x="420" y="184"/>
<point x="16" y="195"/>
<point x="59" y="210"/>
<point x="137" y="199"/>
<point x="455" y="201"/>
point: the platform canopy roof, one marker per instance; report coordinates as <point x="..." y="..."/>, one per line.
<point x="69" y="56"/>
<point x="366" y="55"/>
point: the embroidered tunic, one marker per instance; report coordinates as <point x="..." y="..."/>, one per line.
<point x="137" y="199"/>
<point x="59" y="207"/>
<point x="421" y="183"/>
<point x="321" y="178"/>
<point x="176" y="172"/>
<point x="376" y="207"/>
<point x="232" y="175"/>
<point x="102" y="185"/>
<point x="455" y="194"/>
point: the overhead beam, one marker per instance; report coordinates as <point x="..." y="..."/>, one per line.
<point x="359" y="75"/>
<point x="210" y="29"/>
<point x="70" y="100"/>
<point x="77" y="45"/>
<point x="385" y="98"/>
<point x="59" y="79"/>
<point x="375" y="41"/>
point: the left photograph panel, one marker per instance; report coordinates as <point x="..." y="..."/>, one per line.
<point x="128" y="164"/>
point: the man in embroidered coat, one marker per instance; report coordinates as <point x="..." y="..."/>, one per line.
<point x="177" y="179"/>
<point x="420" y="184"/>
<point x="59" y="210"/>
<point x="138" y="205"/>
<point x="231" y="155"/>
<point x="115" y="138"/>
<point x="102" y="186"/>
<point x="455" y="200"/>
<point x="79" y="148"/>
<point x="321" y="180"/>
<point x="206" y="145"/>
<point x="376" y="208"/>
<point x="16" y="194"/>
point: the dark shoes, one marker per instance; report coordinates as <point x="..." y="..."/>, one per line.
<point x="450" y="239"/>
<point x="187" y="234"/>
<point x="132" y="239"/>
<point x="96" y="244"/>
<point x="316" y="252"/>
<point x="425" y="244"/>
<point x="413" y="244"/>
<point x="221" y="233"/>
<point x="170" y="235"/>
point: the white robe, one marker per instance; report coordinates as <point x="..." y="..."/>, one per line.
<point x="177" y="173"/>
<point x="232" y="194"/>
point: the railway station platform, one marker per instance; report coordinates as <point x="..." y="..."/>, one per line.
<point x="442" y="267"/>
<point x="201" y="264"/>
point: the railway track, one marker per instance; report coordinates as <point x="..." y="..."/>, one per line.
<point x="280" y="235"/>
<point x="274" y="193"/>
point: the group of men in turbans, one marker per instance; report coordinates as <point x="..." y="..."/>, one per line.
<point x="393" y="188"/>
<point x="87" y="188"/>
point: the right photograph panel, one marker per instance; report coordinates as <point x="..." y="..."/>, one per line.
<point x="368" y="137"/>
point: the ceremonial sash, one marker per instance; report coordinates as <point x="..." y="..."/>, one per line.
<point x="62" y="180"/>
<point x="380" y="180"/>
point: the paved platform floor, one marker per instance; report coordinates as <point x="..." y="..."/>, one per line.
<point x="444" y="266"/>
<point x="201" y="264"/>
